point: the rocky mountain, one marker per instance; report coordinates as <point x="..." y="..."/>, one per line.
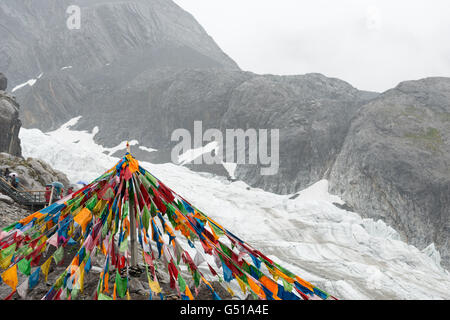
<point x="117" y="41"/>
<point x="140" y="69"/>
<point x="395" y="162"/>
<point x="9" y="121"/>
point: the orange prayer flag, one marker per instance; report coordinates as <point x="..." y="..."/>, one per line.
<point x="133" y="164"/>
<point x="189" y="293"/>
<point x="255" y="288"/>
<point x="26" y="220"/>
<point x="107" y="282"/>
<point x="10" y="277"/>
<point x="272" y="286"/>
<point x="83" y="218"/>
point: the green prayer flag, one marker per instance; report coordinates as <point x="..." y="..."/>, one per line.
<point x="181" y="283"/>
<point x="151" y="179"/>
<point x="146" y="218"/>
<point x="24" y="266"/>
<point x="58" y="255"/>
<point x="124" y="245"/>
<point x="125" y="210"/>
<point x="287" y="286"/>
<point x="104" y="229"/>
<point x="60" y="281"/>
<point x="8" y="251"/>
<point x="153" y="209"/>
<point x="196" y="278"/>
<point x="74" y="294"/>
<point x="217" y="231"/>
<point x="102" y="296"/>
<point x="90" y="204"/>
<point x="121" y="285"/>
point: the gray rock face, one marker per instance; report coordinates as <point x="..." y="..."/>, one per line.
<point x="313" y="114"/>
<point x="3" y="82"/>
<point x="9" y="125"/>
<point x="33" y="174"/>
<point x="395" y="162"/>
<point x="117" y="41"/>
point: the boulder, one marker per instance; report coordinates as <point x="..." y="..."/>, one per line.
<point x="6" y="199"/>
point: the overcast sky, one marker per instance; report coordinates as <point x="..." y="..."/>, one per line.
<point x="372" y="44"/>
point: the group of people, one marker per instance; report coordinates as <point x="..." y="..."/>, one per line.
<point x="58" y="192"/>
<point x="11" y="177"/>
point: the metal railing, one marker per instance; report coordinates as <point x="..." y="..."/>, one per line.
<point x="35" y="198"/>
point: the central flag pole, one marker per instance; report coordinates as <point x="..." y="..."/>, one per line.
<point x="133" y="247"/>
<point x="133" y="234"/>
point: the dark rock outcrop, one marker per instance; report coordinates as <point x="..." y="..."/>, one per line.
<point x="395" y="162"/>
<point x="3" y="82"/>
<point x="9" y="125"/>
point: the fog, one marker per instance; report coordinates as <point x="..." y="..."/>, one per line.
<point x="371" y="44"/>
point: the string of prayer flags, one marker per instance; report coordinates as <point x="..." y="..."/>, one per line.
<point x="97" y="220"/>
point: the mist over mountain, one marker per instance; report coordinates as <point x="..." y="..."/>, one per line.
<point x="140" y="69"/>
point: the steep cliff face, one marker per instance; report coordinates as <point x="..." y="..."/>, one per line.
<point x="313" y="114"/>
<point x="395" y="162"/>
<point x="9" y="122"/>
<point x="117" y="41"/>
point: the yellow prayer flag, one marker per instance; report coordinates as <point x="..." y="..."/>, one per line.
<point x="46" y="267"/>
<point x="230" y="291"/>
<point x="5" y="262"/>
<point x="242" y="285"/>
<point x="10" y="277"/>
<point x="154" y="286"/>
<point x="81" y="279"/>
